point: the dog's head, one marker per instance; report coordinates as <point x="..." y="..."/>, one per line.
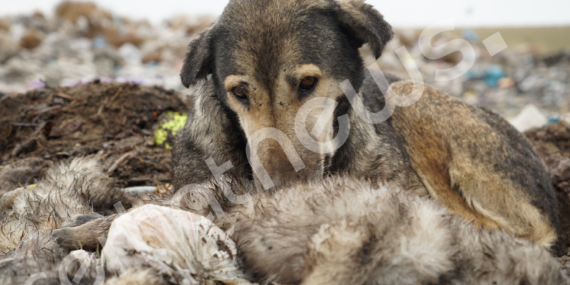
<point x="268" y="58"/>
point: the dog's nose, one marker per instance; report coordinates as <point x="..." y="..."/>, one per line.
<point x="281" y="170"/>
<point x="277" y="163"/>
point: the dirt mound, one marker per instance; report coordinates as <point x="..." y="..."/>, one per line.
<point x="552" y="139"/>
<point x="114" y="121"/>
<point x="553" y="144"/>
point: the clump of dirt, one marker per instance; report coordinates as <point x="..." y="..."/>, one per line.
<point x="111" y="120"/>
<point x="553" y="144"/>
<point x="552" y="139"/>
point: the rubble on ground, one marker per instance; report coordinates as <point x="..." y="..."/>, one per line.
<point x="82" y="42"/>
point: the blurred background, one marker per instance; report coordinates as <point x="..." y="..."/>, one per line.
<point x="54" y="43"/>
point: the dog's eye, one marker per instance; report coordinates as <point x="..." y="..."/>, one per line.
<point x="306" y="86"/>
<point x="308" y="83"/>
<point x="240" y="94"/>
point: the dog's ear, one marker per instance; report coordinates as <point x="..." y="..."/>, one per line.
<point x="198" y="62"/>
<point x="367" y="24"/>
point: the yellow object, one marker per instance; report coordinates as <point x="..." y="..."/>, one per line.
<point x="31" y="187"/>
<point x="174" y="122"/>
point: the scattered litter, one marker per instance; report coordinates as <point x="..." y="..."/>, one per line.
<point x="504" y="82"/>
<point x="530" y="117"/>
<point x="566" y="120"/>
<point x="83" y="42"/>
<point x="140" y="190"/>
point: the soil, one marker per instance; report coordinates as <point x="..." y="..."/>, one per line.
<point x="114" y="121"/>
<point x="553" y="144"/>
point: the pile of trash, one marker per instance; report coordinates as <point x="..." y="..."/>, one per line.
<point x="82" y="42"/>
<point x="128" y="126"/>
<point x="507" y="80"/>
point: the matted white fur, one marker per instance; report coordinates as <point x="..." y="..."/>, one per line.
<point x="67" y="189"/>
<point x="176" y="243"/>
<point x="136" y="277"/>
<point x="346" y="231"/>
<point x="334" y="231"/>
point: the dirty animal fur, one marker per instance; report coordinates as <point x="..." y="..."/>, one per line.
<point x="343" y="231"/>
<point x="334" y="231"/>
<point x="35" y="218"/>
<point x="67" y="189"/>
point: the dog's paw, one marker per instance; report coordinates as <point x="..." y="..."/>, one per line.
<point x="77" y="220"/>
<point x="86" y="234"/>
<point x="66" y="238"/>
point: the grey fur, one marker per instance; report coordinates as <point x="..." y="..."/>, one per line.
<point x="32" y="217"/>
<point x="343" y="231"/>
<point x="65" y="191"/>
<point x="334" y="231"/>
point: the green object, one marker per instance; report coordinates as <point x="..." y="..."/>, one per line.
<point x="173" y="122"/>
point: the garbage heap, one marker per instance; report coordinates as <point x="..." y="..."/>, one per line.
<point x="82" y="42"/>
<point x="519" y="77"/>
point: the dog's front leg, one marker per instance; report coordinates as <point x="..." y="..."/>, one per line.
<point x="85" y="236"/>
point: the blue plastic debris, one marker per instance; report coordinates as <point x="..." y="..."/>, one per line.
<point x="494" y="74"/>
<point x="99" y="42"/>
<point x="553" y="120"/>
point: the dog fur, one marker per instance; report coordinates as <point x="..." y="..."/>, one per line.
<point x="331" y="231"/>
<point x="469" y="159"/>
<point x="344" y="231"/>
<point x="348" y="231"/>
<point x="42" y="224"/>
<point x="65" y="191"/>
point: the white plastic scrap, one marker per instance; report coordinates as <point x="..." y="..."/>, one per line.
<point x="179" y="244"/>
<point x="530" y="117"/>
<point x="139" y="190"/>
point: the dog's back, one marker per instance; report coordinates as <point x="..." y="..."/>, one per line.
<point x="477" y="164"/>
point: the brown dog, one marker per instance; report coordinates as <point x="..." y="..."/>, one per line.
<point x="264" y="60"/>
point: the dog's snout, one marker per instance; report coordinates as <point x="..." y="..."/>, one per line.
<point x="283" y="168"/>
